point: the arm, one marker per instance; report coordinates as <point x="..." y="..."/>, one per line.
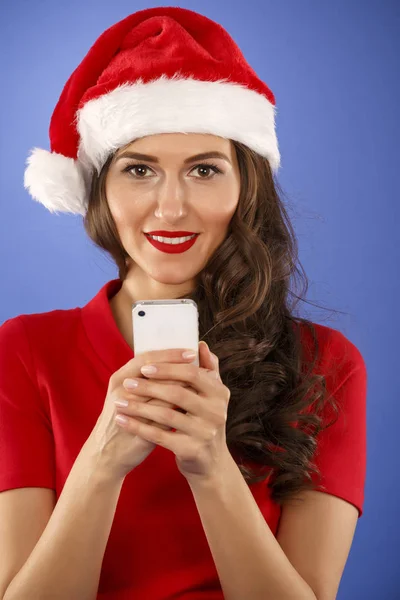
<point x="248" y="558"/>
<point x="66" y="561"/>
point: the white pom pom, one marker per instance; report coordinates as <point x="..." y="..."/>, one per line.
<point x="56" y="181"/>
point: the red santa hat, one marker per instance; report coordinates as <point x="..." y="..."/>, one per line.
<point x="159" y="70"/>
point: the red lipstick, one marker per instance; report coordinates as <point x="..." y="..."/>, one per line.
<point x="172" y="248"/>
<point x="171" y="234"/>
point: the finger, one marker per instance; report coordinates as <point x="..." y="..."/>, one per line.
<point x="150" y="422"/>
<point x="207" y="358"/>
<point x="195" y="377"/>
<point x="172" y="355"/>
<point x="157" y="401"/>
<point x="210" y="408"/>
<point x="164" y="416"/>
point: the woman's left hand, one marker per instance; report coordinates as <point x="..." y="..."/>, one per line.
<point x="199" y="442"/>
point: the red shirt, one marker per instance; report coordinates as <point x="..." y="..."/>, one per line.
<point x="54" y="373"/>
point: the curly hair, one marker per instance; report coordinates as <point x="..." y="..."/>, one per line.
<point x="245" y="315"/>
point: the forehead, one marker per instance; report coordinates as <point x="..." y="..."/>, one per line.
<point x="181" y="144"/>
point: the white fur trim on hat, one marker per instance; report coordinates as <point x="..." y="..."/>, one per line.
<point x="181" y="105"/>
<point x="134" y="110"/>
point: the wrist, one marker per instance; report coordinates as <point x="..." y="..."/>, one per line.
<point x="97" y="467"/>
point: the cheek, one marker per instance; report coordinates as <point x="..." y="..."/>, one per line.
<point x="221" y="212"/>
<point x="225" y="201"/>
<point x="121" y="205"/>
<point x="126" y="218"/>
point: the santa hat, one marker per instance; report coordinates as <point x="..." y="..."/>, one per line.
<point x="160" y="70"/>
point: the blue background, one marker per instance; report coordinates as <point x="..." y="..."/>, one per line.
<point x="334" y="70"/>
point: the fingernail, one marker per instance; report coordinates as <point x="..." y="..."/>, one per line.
<point x="188" y="354"/>
<point x="130" y="383"/>
<point x="121" y="402"/>
<point x="121" y="419"/>
<point x="148" y="369"/>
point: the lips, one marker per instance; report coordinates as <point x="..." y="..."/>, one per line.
<point x="192" y="235"/>
<point x="172" y="248"/>
<point x="171" y="234"/>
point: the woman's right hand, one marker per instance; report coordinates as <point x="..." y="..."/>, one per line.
<point x="115" y="451"/>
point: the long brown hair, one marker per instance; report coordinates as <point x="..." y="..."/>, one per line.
<point x="247" y="317"/>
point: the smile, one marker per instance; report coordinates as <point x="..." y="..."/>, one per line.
<point x="172" y="247"/>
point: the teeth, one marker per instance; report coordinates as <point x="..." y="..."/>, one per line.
<point x="167" y="240"/>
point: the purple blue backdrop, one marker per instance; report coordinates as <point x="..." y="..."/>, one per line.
<point x="333" y="68"/>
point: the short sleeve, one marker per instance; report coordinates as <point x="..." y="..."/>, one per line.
<point x="26" y="437"/>
<point x="341" y="448"/>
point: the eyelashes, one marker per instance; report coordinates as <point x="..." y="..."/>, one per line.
<point x="214" y="168"/>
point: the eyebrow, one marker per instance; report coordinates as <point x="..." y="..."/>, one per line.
<point x="149" y="158"/>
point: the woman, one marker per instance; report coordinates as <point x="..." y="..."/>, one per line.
<point x="257" y="492"/>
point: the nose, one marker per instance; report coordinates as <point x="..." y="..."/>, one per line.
<point x="171" y="201"/>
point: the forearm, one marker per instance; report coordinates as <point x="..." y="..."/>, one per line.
<point x="66" y="561"/>
<point x="248" y="558"/>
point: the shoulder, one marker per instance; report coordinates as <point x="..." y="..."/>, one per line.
<point x="47" y="329"/>
<point x="342" y="365"/>
<point x="343" y="368"/>
<point x="336" y="352"/>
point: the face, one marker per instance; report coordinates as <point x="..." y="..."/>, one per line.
<point x="174" y="193"/>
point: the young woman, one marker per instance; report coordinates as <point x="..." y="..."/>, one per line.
<point x="242" y="478"/>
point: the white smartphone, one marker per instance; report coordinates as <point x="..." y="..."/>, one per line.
<point x="165" y="324"/>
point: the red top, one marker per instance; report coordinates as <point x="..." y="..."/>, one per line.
<point x="54" y="373"/>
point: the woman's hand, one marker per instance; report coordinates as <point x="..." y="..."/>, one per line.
<point x="114" y="451"/>
<point x="198" y="433"/>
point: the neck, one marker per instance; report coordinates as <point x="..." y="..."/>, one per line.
<point x="121" y="306"/>
<point x="121" y="303"/>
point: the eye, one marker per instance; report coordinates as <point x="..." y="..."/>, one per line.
<point x="208" y="166"/>
<point x="131" y="168"/>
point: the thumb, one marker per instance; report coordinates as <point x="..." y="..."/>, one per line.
<point x="207" y="359"/>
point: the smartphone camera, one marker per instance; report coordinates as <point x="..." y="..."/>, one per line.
<point x="141" y="313"/>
